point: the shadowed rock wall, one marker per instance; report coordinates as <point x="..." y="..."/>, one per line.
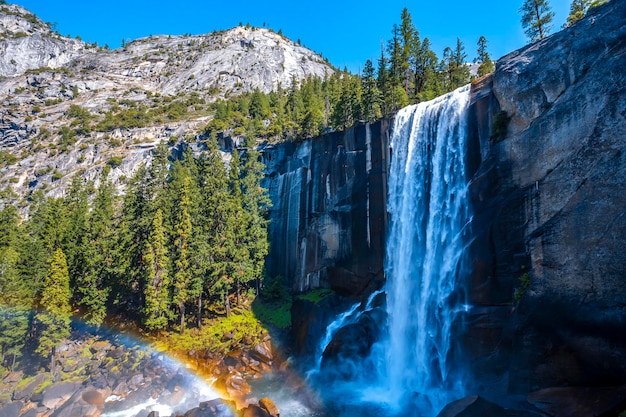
<point x="328" y="219"/>
<point x="550" y="211"/>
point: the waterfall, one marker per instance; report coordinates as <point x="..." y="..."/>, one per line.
<point x="424" y="256"/>
<point x="413" y="367"/>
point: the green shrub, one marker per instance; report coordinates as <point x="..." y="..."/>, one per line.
<point x="7" y="158"/>
<point x="115" y="161"/>
<point x="521" y="290"/>
<point x="274" y="289"/>
<point x="317" y="295"/>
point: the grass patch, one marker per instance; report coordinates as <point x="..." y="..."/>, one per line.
<point x="276" y="313"/>
<point x="24" y="382"/>
<point x="220" y="335"/>
<point x="317" y="295"/>
<point x="45" y="384"/>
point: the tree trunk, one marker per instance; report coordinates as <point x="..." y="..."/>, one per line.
<point x="238" y="293"/>
<point x="52" y="357"/>
<point x="13" y="364"/>
<point x="539" y="25"/>
<point x="227" y="305"/>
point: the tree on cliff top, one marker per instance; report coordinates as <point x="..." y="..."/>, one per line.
<point x="577" y="11"/>
<point x="486" y="64"/>
<point x="536" y="18"/>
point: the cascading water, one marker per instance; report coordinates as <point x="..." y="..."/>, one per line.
<point x="425" y="249"/>
<point x="413" y="369"/>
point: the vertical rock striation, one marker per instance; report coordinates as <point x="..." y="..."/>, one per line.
<point x="328" y="218"/>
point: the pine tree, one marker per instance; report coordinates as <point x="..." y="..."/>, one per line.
<point x="94" y="285"/>
<point x="232" y="255"/>
<point x="43" y="233"/>
<point x="55" y="314"/>
<point x="132" y="233"/>
<point x="384" y="84"/>
<point x="410" y="44"/>
<point x="208" y="249"/>
<point x="76" y="205"/>
<point x="394" y="49"/>
<point x="312" y="120"/>
<point x="157" y="279"/>
<point x="461" y="71"/>
<point x="425" y="72"/>
<point x="9" y="219"/>
<point x="256" y="202"/>
<point x="348" y="109"/>
<point x="577" y="11"/>
<point x="182" y="236"/>
<point x="371" y="95"/>
<point x="14" y="328"/>
<point x="536" y="19"/>
<point x="486" y="64"/>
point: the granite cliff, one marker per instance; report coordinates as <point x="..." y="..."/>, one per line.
<point x="550" y="223"/>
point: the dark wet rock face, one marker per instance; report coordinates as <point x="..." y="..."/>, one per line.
<point x="475" y="406"/>
<point x="329" y="210"/>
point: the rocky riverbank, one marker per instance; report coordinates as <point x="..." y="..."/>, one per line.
<point x="99" y="376"/>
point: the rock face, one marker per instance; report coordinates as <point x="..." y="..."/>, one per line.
<point x="27" y="43"/>
<point x="550" y="215"/>
<point x="328" y="219"/>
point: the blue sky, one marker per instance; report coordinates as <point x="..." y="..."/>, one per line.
<point x="346" y="32"/>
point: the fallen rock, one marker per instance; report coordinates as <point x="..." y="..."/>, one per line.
<point x="25" y="392"/>
<point x="11" y="409"/>
<point x="269" y="406"/>
<point x="213" y="408"/>
<point x="93" y="397"/>
<point x="580" y="401"/>
<point x="57" y="394"/>
<point x="254" y="411"/>
<point x="263" y="352"/>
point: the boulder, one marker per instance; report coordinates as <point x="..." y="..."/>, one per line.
<point x="235" y="386"/>
<point x="26" y="391"/>
<point x="57" y="394"/>
<point x="93" y="397"/>
<point x="475" y="406"/>
<point x="263" y="352"/>
<point x="254" y="411"/>
<point x="12" y="409"/>
<point x="269" y="406"/>
<point x="213" y="408"/>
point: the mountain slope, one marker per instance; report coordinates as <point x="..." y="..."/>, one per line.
<point x="54" y="90"/>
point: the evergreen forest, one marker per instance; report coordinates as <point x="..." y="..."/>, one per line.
<point x="185" y="241"/>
